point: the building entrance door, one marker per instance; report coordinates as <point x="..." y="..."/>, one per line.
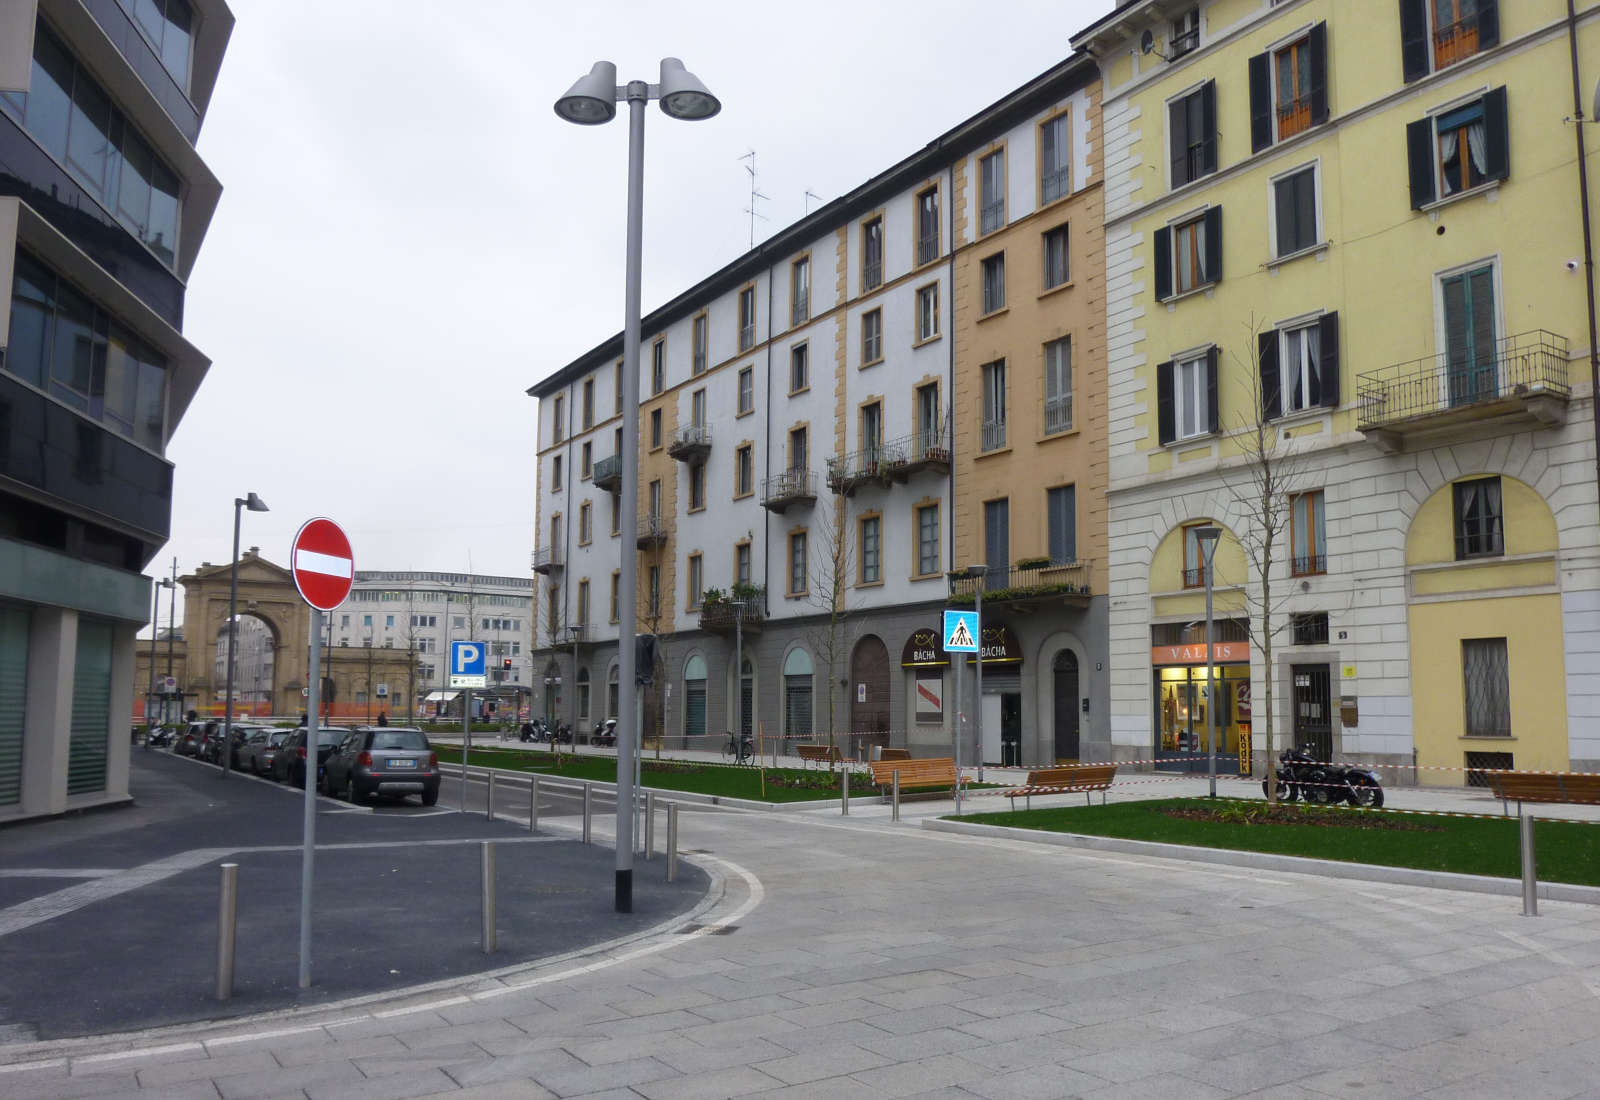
<point x="1313" y="720"/>
<point x="1065" y="670"/>
<point x="1011" y="729"/>
<point x="869" y="687"/>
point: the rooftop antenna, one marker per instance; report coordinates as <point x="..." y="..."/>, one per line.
<point x="810" y="194"/>
<point x="755" y="195"/>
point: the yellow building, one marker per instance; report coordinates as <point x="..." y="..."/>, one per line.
<point x="1348" y="237"/>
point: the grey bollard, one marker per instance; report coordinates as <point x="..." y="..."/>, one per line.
<point x="649" y="825"/>
<point x="586" y="811"/>
<point x="227" y="919"/>
<point x="895" y="787"/>
<point x="1530" y="872"/>
<point x="672" y="841"/>
<point x="487" y="867"/>
<point x="844" y="791"/>
<point x="533" y="803"/>
<point x="489" y="811"/>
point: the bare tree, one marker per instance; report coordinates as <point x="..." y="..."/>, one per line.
<point x="1263" y="487"/>
<point x="650" y="614"/>
<point x="830" y="560"/>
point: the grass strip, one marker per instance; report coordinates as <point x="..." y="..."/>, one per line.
<point x="1568" y="851"/>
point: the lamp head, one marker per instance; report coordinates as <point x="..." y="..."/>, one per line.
<point x="682" y="94"/>
<point x="256" y="504"/>
<point x="1207" y="537"/>
<point x="593" y="99"/>
<point x="978" y="569"/>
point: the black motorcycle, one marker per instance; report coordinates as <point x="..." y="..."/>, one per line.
<point x="1302" y="775"/>
<point x="531" y="731"/>
<point x="605" y="733"/>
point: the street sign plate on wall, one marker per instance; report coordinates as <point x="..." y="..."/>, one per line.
<point x="322" y="564"/>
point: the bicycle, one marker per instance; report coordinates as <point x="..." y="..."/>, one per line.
<point x="742" y="751"/>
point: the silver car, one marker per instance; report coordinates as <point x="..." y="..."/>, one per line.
<point x="260" y="748"/>
<point x="383" y="760"/>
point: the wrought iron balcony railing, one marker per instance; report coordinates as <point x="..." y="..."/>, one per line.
<point x="779" y="491"/>
<point x="1524" y="367"/>
<point x="1058" y="414"/>
<point x="747" y="611"/>
<point x="546" y="558"/>
<point x="994" y="435"/>
<point x="654" y="529"/>
<point x="690" y="443"/>
<point x="928" y="449"/>
<point x="927" y="249"/>
<point x="608" y="473"/>
<point x="1038" y="580"/>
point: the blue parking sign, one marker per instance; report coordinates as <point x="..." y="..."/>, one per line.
<point x="467" y="661"/>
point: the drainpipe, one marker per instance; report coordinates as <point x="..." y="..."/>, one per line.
<point x="1583" y="206"/>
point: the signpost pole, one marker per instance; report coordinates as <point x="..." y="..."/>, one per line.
<point x="956" y="664"/>
<point x="466" y="742"/>
<point x="309" y="843"/>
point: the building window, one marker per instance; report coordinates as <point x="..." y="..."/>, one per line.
<point x="871" y="437"/>
<point x="584" y="523"/>
<point x="800" y="291"/>
<point x="1289" y="89"/>
<point x="1308" y="534"/>
<point x="1055" y="158"/>
<point x="994" y="283"/>
<point x="871" y="549"/>
<point x="558" y="419"/>
<point x="655" y="512"/>
<point x="747" y="318"/>
<point x="1486" y="672"/>
<point x="616" y="514"/>
<point x="698" y="340"/>
<point x="619" y="388"/>
<point x="871" y="337"/>
<point x="653" y="593"/>
<point x="616" y="590"/>
<point x="747" y="390"/>
<point x="1186" y="397"/>
<point x="1471" y="350"/>
<point x="797" y="563"/>
<point x="588" y="403"/>
<point x="927" y="540"/>
<point x="871" y="254"/>
<point x="1185" y="33"/>
<point x="997" y="540"/>
<point x="1300" y="367"/>
<point x="1294" y="212"/>
<point x="1188" y="255"/>
<point x="658" y="365"/>
<point x="992" y="192"/>
<point x="1438" y="33"/>
<point x="1458" y="150"/>
<point x="799" y="454"/>
<point x="799" y="377"/>
<point x="1309" y="629"/>
<point x="555" y="474"/>
<point x="744" y="470"/>
<point x="696" y="580"/>
<point x="1479" y="520"/>
<point x="1192" y="127"/>
<point x="927" y="312"/>
<point x="927" y="226"/>
<point x="697" y="408"/>
<point x="169" y="25"/>
<point x="994" y="405"/>
<point x="655" y="429"/>
<point x="741" y="563"/>
<point x="583" y="604"/>
<point x="586" y="455"/>
<point x="1058" y="386"/>
<point x="1061" y="509"/>
<point x="1057" y="269"/>
<point x="697" y="487"/>
<point x="1194" y="558"/>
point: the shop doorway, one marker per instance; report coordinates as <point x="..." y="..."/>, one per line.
<point x="1313" y="721"/>
<point x="1065" y="671"/>
<point x="869" y="686"/>
<point x="1011" y="729"/>
<point x="1182" y="701"/>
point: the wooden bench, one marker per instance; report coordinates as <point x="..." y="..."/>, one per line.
<point x="934" y="772"/>
<point x="894" y="754"/>
<point x="822" y="754"/>
<point x="1573" y="788"/>
<point x="1071" y="779"/>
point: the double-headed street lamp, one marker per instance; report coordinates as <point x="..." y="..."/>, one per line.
<point x="589" y="102"/>
<point x="1207" y="538"/>
<point x="255" y="504"/>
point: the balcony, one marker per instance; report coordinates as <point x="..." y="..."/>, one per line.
<point x="1058" y="414"/>
<point x="690" y="444"/>
<point x="781" y="491"/>
<point x="744" y="609"/>
<point x="1034" y="583"/>
<point x="547" y="559"/>
<point x="927" y="248"/>
<point x="1522" y="382"/>
<point x="993" y="435"/>
<point x="868" y="466"/>
<point x="608" y="474"/>
<point x="654" y="530"/>
<point x="928" y="449"/>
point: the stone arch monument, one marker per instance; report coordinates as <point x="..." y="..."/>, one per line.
<point x="267" y="592"/>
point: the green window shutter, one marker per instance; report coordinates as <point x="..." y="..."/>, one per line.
<point x="14" y="623"/>
<point x="91" y="709"/>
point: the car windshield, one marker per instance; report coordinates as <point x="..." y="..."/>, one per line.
<point x="400" y="739"/>
<point x="280" y="737"/>
<point x="329" y="737"/>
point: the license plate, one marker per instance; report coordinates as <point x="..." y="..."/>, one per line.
<point x="402" y="764"/>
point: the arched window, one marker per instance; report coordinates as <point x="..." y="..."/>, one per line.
<point x="583" y="693"/>
<point x="612" y="697"/>
<point x="694" y="699"/>
<point x="797" y="672"/>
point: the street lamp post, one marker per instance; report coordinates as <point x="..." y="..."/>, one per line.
<point x="738" y="677"/>
<point x="255" y="504"/>
<point x="1207" y="538"/>
<point x="589" y="102"/>
<point x="575" y="633"/>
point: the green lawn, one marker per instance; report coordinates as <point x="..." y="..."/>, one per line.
<point x="1567" y="851"/>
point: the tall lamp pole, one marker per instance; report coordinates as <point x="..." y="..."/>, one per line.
<point x="155" y="630"/>
<point x="1207" y="538"/>
<point x="738" y="676"/>
<point x="255" y="504"/>
<point x="589" y="102"/>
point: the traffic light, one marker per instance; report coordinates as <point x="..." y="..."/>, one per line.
<point x="506" y="664"/>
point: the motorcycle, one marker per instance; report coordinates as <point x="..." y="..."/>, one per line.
<point x="605" y="733"/>
<point x="1301" y="774"/>
<point x="532" y="731"/>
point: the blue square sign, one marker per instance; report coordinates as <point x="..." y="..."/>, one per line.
<point x="961" y="631"/>
<point x="467" y="660"/>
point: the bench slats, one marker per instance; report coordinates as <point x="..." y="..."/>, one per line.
<point x="930" y="772"/>
<point x="1549" y="787"/>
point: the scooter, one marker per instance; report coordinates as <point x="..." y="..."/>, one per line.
<point x="532" y="731"/>
<point x="1301" y="774"/>
<point x="605" y="733"/>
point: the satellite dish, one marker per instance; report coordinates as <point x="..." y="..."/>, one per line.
<point x="1147" y="42"/>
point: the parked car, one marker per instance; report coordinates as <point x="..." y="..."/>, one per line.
<point x="260" y="748"/>
<point x="383" y="760"/>
<point x="289" y="765"/>
<point x="189" y="742"/>
<point x="212" y="750"/>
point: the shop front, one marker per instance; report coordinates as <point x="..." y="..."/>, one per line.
<point x="923" y="663"/>
<point x="1001" y="705"/>
<point x="1187" y="708"/>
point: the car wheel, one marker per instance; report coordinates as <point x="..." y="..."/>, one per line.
<point x="430" y="796"/>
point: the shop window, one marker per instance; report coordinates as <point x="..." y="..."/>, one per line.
<point x="1486" y="672"/>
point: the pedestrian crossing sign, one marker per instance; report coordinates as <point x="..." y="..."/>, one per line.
<point x="961" y="631"/>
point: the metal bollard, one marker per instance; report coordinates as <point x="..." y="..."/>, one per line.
<point x="487" y="866"/>
<point x="895" y="787"/>
<point x="844" y="791"/>
<point x="533" y="803"/>
<point x="489" y="812"/>
<point x="227" y="918"/>
<point x="586" y="810"/>
<point x="672" y="841"/>
<point x="1530" y="873"/>
<point x="649" y="825"/>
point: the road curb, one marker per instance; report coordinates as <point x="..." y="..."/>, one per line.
<point x="1264" y="861"/>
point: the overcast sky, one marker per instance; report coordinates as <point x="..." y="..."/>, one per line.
<point x="409" y="237"/>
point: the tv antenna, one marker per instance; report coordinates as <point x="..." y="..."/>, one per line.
<point x="755" y="195"/>
<point x="810" y="194"/>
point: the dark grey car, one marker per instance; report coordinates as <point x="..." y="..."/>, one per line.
<point x="383" y="760"/>
<point x="289" y="764"/>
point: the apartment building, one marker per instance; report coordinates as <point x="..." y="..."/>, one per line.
<point x="104" y="203"/>
<point x="806" y="435"/>
<point x="1350" y="232"/>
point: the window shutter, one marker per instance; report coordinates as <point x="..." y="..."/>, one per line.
<point x="1488" y="23"/>
<point x="1271" y="394"/>
<point x="1208" y="123"/>
<point x="1319" y="74"/>
<point x="1419" y="151"/>
<point x="1178" y="136"/>
<point x="1213" y="271"/>
<point x="1211" y="387"/>
<point x="1328" y="367"/>
<point x="1166" y="422"/>
<point x="1413" y="39"/>
<point x="1163" y="243"/>
<point x="1496" y="135"/>
<point x="1260" y="103"/>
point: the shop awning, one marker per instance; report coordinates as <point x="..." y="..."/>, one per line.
<point x="440" y="696"/>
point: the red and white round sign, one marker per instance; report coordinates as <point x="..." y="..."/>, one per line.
<point x="322" y="564"/>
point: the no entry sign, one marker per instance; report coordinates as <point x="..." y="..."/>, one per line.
<point x="322" y="564"/>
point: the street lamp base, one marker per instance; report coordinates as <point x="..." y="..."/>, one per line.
<point x="625" y="891"/>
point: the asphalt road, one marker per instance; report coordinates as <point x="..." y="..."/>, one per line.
<point x="108" y="920"/>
